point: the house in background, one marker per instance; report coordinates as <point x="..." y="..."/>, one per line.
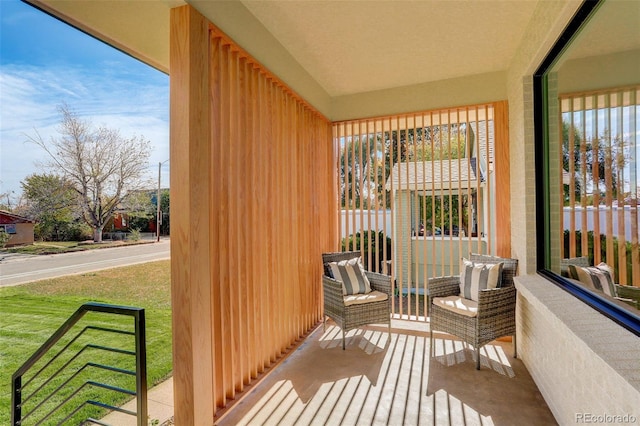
<point x="19" y="228"/>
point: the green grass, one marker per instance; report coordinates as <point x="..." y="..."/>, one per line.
<point x="32" y="312"/>
<point x="55" y="247"/>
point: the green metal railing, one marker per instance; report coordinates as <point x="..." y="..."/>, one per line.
<point x="23" y="392"/>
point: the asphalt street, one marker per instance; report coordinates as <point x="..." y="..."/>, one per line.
<point x="20" y="269"/>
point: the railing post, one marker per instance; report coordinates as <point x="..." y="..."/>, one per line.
<point x="16" y="401"/>
<point x="141" y="367"/>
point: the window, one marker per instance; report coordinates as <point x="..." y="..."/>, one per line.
<point x="586" y="96"/>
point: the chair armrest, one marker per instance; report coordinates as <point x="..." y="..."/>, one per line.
<point x="332" y="292"/>
<point x="444" y="286"/>
<point x="379" y="282"/>
<point x="629" y="292"/>
<point x="494" y="302"/>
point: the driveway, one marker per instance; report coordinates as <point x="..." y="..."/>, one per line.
<point x="20" y="269"/>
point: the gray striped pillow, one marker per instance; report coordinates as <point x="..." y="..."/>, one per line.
<point x="596" y="277"/>
<point x="351" y="274"/>
<point x="478" y="276"/>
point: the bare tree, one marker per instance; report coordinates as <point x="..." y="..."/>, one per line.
<point x="102" y="166"/>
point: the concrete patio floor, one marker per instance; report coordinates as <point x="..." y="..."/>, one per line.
<point x="382" y="381"/>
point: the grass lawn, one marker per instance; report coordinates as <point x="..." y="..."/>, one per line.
<point x="30" y="313"/>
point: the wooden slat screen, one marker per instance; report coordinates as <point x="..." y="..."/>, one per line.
<point x="271" y="164"/>
<point x="427" y="181"/>
<point x="251" y="183"/>
<point x="600" y="179"/>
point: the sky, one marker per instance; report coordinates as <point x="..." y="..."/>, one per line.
<point x="45" y="63"/>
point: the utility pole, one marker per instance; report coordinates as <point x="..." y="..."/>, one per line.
<point x="159" y="212"/>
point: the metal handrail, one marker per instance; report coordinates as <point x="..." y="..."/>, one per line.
<point x="140" y="372"/>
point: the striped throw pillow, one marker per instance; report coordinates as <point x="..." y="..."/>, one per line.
<point x="351" y="274"/>
<point x="594" y="277"/>
<point x="478" y="276"/>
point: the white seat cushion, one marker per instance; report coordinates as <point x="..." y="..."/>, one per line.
<point x="457" y="304"/>
<point x="373" y="296"/>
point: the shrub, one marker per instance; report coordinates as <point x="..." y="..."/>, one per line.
<point x="134" y="235"/>
<point x="360" y="240"/>
<point x="4" y="238"/>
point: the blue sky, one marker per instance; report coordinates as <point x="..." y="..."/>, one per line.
<point x="44" y="63"/>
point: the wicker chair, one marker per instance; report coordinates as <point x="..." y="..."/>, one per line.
<point x="496" y="316"/>
<point x="354" y="316"/>
<point x="625" y="293"/>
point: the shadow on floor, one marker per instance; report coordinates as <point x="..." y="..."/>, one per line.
<point x="382" y="381"/>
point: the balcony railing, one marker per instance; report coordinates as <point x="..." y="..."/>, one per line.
<point x="37" y="397"/>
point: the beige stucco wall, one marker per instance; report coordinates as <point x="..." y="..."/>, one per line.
<point x="469" y="90"/>
<point x="23" y="235"/>
<point x="582" y="362"/>
<point x="600" y="72"/>
<point x="548" y="21"/>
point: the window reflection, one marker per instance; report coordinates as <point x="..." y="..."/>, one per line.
<point x="594" y="116"/>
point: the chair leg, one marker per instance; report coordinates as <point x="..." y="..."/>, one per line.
<point x="431" y="348"/>
<point x="343" y="345"/>
<point x="477" y="358"/>
<point x="515" y="347"/>
<point x="324" y="323"/>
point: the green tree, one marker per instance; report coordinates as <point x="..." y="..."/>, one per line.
<point x="598" y="163"/>
<point x="102" y="166"/>
<point x="53" y="203"/>
<point x="357" y="158"/>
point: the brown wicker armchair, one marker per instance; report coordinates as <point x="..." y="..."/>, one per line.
<point x="355" y="315"/>
<point x="496" y="315"/>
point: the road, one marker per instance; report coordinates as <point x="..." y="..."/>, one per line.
<point x="21" y="269"/>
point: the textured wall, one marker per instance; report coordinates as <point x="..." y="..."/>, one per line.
<point x="582" y="362"/>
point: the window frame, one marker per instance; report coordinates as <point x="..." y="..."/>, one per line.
<point x="625" y="318"/>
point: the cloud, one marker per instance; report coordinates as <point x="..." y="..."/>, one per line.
<point x="131" y="98"/>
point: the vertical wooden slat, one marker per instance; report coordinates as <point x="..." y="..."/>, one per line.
<point x="400" y="210"/>
<point x="338" y="137"/>
<point x="480" y="213"/>
<point x="633" y="161"/>
<point x="216" y="195"/>
<point x="572" y="183"/>
<point x="434" y="197"/>
<point x="608" y="173"/>
<point x="226" y="223"/>
<point x="502" y="178"/>
<point x="450" y="194"/>
<point x="493" y="202"/>
<point x="352" y="176"/>
<point x="190" y="190"/>
<point x="376" y="200"/>
<point x="360" y="206"/>
<point x="583" y="176"/>
<point x="560" y="183"/>
<point x="620" y="164"/>
<point x="597" y="249"/>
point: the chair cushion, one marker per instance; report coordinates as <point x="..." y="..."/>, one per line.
<point x="457" y="304"/>
<point x="594" y="277"/>
<point x="478" y="276"/>
<point x="351" y="274"/>
<point x="357" y="299"/>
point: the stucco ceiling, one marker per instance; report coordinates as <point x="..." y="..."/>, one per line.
<point x="360" y="46"/>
